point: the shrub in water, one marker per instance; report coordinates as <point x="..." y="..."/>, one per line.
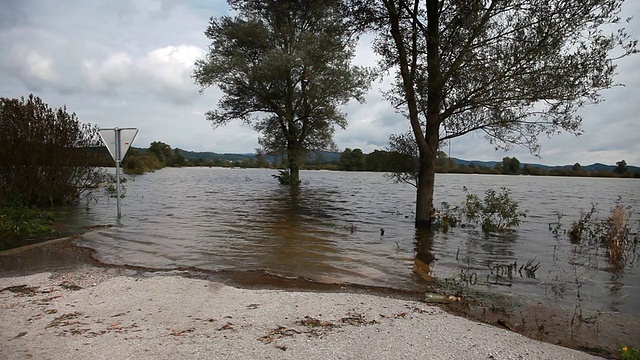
<point x="25" y="221"/>
<point x="496" y="213"/>
<point x="445" y="217"/>
<point x="284" y="177"/>
<point x="613" y="233"/>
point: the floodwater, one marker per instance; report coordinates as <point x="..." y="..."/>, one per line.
<point x="330" y="231"/>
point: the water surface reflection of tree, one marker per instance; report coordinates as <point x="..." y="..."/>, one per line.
<point x="295" y="235"/>
<point x="423" y="253"/>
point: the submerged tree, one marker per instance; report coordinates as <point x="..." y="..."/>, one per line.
<point x="284" y="67"/>
<point x="510" y="165"/>
<point x="621" y="167"/>
<point x="512" y="69"/>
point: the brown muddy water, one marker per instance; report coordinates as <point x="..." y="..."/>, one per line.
<point x="242" y="220"/>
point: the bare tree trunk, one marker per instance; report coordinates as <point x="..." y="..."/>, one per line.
<point x="293" y="157"/>
<point x="427" y="139"/>
<point x="426" y="181"/>
<point x="431" y="138"/>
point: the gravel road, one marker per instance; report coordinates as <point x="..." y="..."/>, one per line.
<point x="101" y="313"/>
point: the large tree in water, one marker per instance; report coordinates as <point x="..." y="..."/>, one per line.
<point x="283" y="66"/>
<point x="511" y="69"/>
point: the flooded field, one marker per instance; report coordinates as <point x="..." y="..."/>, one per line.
<point x="239" y="220"/>
<point x="330" y="231"/>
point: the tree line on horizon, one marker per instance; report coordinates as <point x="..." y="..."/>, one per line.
<point x="160" y="154"/>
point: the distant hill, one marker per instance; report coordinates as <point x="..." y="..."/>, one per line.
<point x="322" y="156"/>
<point x="478" y="163"/>
<point x="596" y="167"/>
<point x="206" y="155"/>
<point x="334" y="157"/>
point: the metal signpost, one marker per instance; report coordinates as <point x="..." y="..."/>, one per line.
<point x="118" y="141"/>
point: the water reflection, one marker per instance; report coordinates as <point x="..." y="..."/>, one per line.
<point x="423" y="253"/>
<point x="292" y="236"/>
<point x="329" y="230"/>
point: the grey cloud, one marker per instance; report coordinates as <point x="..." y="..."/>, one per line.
<point x="122" y="63"/>
<point x="14" y="13"/>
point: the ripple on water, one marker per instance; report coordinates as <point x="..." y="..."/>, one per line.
<point x="216" y="219"/>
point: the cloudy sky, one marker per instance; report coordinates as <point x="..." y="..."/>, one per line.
<point x="128" y="63"/>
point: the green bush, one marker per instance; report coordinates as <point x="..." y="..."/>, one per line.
<point x="446" y="217"/>
<point x="284" y="177"/>
<point x="45" y="153"/>
<point x="496" y="213"/>
<point x="25" y="221"/>
<point x="137" y="163"/>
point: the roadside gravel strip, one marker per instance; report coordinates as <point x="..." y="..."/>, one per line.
<point x="99" y="313"/>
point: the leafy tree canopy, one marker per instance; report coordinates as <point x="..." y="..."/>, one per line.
<point x="284" y="67"/>
<point x="512" y="69"/>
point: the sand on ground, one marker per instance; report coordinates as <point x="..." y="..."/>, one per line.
<point x="106" y="313"/>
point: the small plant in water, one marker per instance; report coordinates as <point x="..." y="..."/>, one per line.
<point x="111" y="189"/>
<point x="24" y="220"/>
<point x="556" y="227"/>
<point x="446" y="217"/>
<point x="497" y="213"/>
<point x="613" y="233"/>
<point x="284" y="177"/>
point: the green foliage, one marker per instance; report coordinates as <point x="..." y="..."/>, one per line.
<point x="621" y="167"/>
<point x="284" y="177"/>
<point x="405" y="159"/>
<point x="576" y="168"/>
<point x="377" y="160"/>
<point x="157" y="156"/>
<point x="510" y="165"/>
<point x="138" y="163"/>
<point x="178" y="158"/>
<point x="444" y="163"/>
<point x="613" y="233"/>
<point x="110" y="189"/>
<point x="496" y="213"/>
<point x="629" y="353"/>
<point x="284" y="67"/>
<point x="45" y="153"/>
<point x="353" y="160"/>
<point x="21" y="220"/>
<point x="110" y="186"/>
<point x="446" y="217"/>
<point x="162" y="152"/>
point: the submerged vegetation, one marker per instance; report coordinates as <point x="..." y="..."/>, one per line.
<point x="497" y="212"/>
<point x="285" y="178"/>
<point x="19" y="220"/>
<point x="614" y="233"/>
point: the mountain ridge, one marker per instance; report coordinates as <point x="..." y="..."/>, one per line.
<point x="329" y="156"/>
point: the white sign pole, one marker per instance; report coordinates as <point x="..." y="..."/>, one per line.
<point x="118" y="158"/>
<point x="112" y="138"/>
